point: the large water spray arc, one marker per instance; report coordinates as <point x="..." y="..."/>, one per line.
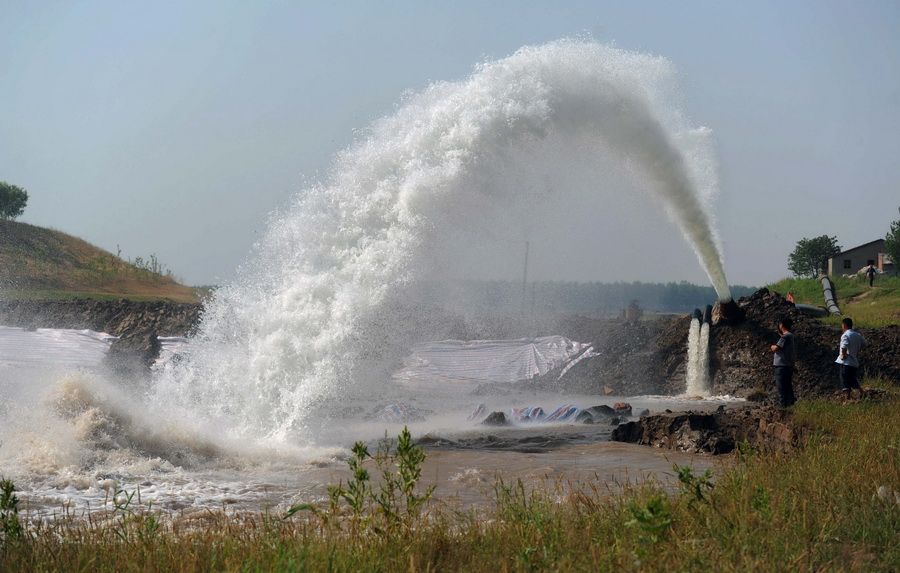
<point x="315" y="316"/>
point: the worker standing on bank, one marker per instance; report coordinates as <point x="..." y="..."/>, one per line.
<point x="785" y="358"/>
<point x="870" y="274"/>
<point x="848" y="358"/>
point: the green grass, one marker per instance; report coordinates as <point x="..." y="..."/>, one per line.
<point x="813" y="509"/>
<point x="869" y="307"/>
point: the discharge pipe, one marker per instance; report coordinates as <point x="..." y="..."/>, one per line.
<point x="830" y="298"/>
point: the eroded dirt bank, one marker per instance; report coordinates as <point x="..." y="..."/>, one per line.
<point x="763" y="427"/>
<point x="718" y="432"/>
<point x="137" y="324"/>
<point x="118" y="317"/>
<point x="649" y="357"/>
<point x="632" y="358"/>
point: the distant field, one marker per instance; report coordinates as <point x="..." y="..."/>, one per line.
<point x="39" y="263"/>
<point x="868" y="307"/>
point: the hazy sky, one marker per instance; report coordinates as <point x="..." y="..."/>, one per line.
<point x="174" y="128"/>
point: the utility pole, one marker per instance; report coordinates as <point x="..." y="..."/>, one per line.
<point x="525" y="280"/>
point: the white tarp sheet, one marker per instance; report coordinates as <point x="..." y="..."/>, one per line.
<point x="52" y="346"/>
<point x="489" y="360"/>
<point x="171" y="349"/>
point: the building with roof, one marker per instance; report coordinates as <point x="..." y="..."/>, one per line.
<point x="854" y="260"/>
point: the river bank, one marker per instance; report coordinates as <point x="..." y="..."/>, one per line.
<point x="629" y="357"/>
<point x="117" y="317"/>
<point x="841" y="511"/>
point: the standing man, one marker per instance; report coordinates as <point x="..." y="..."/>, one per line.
<point x="870" y="274"/>
<point x="785" y="357"/>
<point x="848" y="358"/>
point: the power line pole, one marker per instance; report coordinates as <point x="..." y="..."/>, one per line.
<point x="525" y="280"/>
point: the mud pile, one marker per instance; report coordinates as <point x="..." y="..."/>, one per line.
<point x="117" y="317"/>
<point x="717" y="432"/>
<point x="740" y="358"/>
<point x="648" y="357"/>
<point x="633" y="358"/>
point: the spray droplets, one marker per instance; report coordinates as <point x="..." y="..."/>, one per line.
<point x="318" y="315"/>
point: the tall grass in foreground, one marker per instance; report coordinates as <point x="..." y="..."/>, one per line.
<point x="813" y="509"/>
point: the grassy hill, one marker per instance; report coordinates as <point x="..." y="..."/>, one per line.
<point x="39" y="263"/>
<point x="868" y="307"/>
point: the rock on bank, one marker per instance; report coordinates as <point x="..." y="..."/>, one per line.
<point x="717" y="432"/>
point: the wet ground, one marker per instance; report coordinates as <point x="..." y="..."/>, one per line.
<point x="464" y="469"/>
<point x="71" y="439"/>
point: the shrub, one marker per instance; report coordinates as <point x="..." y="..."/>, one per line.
<point x="12" y="200"/>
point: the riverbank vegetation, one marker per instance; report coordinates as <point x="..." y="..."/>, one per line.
<point x="832" y="504"/>
<point x="870" y="307"/>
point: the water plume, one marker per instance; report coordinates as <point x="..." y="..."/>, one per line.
<point x="318" y="316"/>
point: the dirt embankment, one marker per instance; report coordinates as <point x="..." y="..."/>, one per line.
<point x="137" y="324"/>
<point x="764" y="427"/>
<point x="117" y="317"/>
<point x="740" y="359"/>
<point x="718" y="432"/>
<point x="633" y="358"/>
<point x="36" y="260"/>
<point x="649" y="357"/>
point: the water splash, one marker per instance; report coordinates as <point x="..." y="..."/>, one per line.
<point x="697" y="378"/>
<point x="692" y="364"/>
<point x="318" y="313"/>
<point x="705" y="384"/>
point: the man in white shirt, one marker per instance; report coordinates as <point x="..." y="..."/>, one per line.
<point x="848" y="358"/>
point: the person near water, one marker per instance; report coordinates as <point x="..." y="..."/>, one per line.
<point x="870" y="274"/>
<point x="848" y="357"/>
<point x="785" y="358"/>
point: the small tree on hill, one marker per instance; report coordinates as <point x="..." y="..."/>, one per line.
<point x="892" y="243"/>
<point x="12" y="200"/>
<point x="809" y="256"/>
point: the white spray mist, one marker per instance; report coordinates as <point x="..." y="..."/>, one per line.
<point x="317" y="313"/>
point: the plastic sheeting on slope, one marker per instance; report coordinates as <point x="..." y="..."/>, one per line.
<point x="171" y="349"/>
<point x="489" y="360"/>
<point x="52" y="346"/>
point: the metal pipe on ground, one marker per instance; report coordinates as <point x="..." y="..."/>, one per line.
<point x="830" y="298"/>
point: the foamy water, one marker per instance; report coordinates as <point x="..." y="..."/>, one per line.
<point x="75" y="439"/>
<point x="697" y="363"/>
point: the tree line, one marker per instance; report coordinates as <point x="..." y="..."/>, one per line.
<point x="12" y="200"/>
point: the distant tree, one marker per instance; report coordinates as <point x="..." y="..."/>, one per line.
<point x="12" y="200"/>
<point x="810" y="255"/>
<point x="892" y="243"/>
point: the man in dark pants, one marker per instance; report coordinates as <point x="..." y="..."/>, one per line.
<point x="870" y="274"/>
<point x="785" y="357"/>
<point x="848" y="358"/>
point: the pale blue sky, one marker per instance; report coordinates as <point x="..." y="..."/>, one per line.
<point x="175" y="128"/>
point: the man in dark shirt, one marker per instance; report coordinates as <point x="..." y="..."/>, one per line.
<point x="785" y="357"/>
<point x="870" y="274"/>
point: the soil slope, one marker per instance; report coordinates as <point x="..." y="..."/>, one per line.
<point x="649" y="357"/>
<point x="42" y="263"/>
